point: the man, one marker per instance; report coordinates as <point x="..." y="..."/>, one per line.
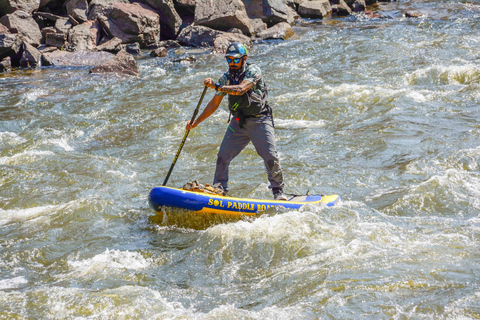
<point x="252" y="118"/>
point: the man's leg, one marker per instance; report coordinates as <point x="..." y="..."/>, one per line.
<point x="262" y="134"/>
<point x="234" y="141"/>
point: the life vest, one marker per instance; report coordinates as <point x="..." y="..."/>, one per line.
<point x="250" y="103"/>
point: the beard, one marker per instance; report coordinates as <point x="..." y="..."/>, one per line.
<point x="235" y="69"/>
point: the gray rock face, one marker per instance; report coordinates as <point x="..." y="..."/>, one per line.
<point x="21" y="22"/>
<point x="10" y="6"/>
<point x="132" y="23"/>
<point x="170" y="21"/>
<point x="85" y="36"/>
<point x="31" y="57"/>
<point x="315" y="9"/>
<point x="223" y="15"/>
<point x="122" y="63"/>
<point x="281" y="30"/>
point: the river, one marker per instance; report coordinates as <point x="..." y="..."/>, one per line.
<point x="383" y="112"/>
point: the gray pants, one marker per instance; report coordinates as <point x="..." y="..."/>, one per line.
<point x="260" y="132"/>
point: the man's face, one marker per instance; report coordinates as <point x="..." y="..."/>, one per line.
<point x="234" y="63"/>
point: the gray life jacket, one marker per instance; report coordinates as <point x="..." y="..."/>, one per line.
<point x="250" y="103"/>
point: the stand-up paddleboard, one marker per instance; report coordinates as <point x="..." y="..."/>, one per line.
<point x="211" y="203"/>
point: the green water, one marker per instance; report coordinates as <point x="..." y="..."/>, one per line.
<point x="383" y="112"/>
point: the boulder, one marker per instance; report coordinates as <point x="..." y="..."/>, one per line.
<point x="197" y="36"/>
<point x="281" y="31"/>
<point x="58" y="40"/>
<point x="84" y="37"/>
<point x="133" y="22"/>
<point x="3" y="29"/>
<point x="186" y="3"/>
<point x="22" y="23"/>
<point x="10" y="45"/>
<point x="270" y="11"/>
<point x="10" y="6"/>
<point x="411" y="14"/>
<point x="78" y="10"/>
<point x="132" y="48"/>
<point x="315" y="9"/>
<point x="31" y="57"/>
<point x="122" y="63"/>
<point x="6" y="65"/>
<point x="99" y="7"/>
<point x="63" y="26"/>
<point x="112" y="45"/>
<point x="223" y="15"/>
<point x="159" y="52"/>
<point x="258" y="26"/>
<point x="223" y="40"/>
<point x="170" y="21"/>
<point x="75" y="59"/>
<point x="169" y="44"/>
<point x="356" y="5"/>
<point x="340" y="8"/>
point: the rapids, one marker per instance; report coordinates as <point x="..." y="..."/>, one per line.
<point x="383" y="112"/>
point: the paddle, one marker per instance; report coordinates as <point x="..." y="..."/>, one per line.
<point x="184" y="138"/>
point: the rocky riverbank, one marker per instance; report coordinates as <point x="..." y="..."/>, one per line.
<point x="37" y="33"/>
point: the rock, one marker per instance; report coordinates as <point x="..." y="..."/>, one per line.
<point x="47" y="16"/>
<point x="340" y="8"/>
<point x="169" y="44"/>
<point x="132" y="23"/>
<point x="6" y="65"/>
<point x="78" y="9"/>
<point x="3" y="29"/>
<point x="159" y="52"/>
<point x="170" y="21"/>
<point x="10" y="6"/>
<point x="22" y="23"/>
<point x="281" y="30"/>
<point x="84" y="37"/>
<point x="58" y="40"/>
<point x="122" y="63"/>
<point x="223" y="40"/>
<point x="270" y="11"/>
<point x="198" y="36"/>
<point x="10" y="45"/>
<point x="46" y="31"/>
<point x="31" y="57"/>
<point x="133" y="48"/>
<point x="314" y="9"/>
<point x="63" y="25"/>
<point x="186" y="59"/>
<point x="258" y="26"/>
<point x="75" y="59"/>
<point x="99" y="7"/>
<point x="186" y="3"/>
<point x="223" y="15"/>
<point x="356" y="5"/>
<point x="112" y="45"/>
<point x="410" y="14"/>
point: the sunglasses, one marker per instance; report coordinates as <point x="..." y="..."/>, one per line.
<point x="236" y="60"/>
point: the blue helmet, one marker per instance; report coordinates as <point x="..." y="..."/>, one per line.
<point x="237" y="50"/>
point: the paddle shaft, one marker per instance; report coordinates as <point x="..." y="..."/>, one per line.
<point x="184" y="138"/>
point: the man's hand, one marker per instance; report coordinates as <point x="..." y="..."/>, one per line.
<point x="190" y="126"/>
<point x="209" y="83"/>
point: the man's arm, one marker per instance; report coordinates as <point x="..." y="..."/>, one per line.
<point x="207" y="112"/>
<point x="234" y="90"/>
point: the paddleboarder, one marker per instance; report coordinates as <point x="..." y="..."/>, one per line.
<point x="251" y="119"/>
